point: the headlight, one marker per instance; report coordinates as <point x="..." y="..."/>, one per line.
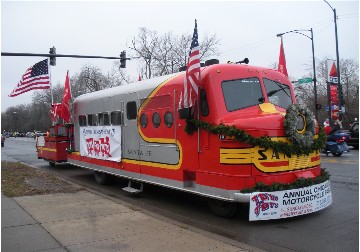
<point x="300" y="123"/>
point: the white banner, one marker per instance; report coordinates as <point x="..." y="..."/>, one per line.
<point x="331" y="71"/>
<point x="40" y="141"/>
<point x="284" y="204"/>
<point x="101" y="142"/>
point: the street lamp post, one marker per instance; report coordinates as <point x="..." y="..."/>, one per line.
<point x="337" y="58"/>
<point x="313" y="56"/>
<point x="15" y="121"/>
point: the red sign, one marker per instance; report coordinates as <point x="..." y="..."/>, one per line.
<point x="334" y="101"/>
<point x="334" y="97"/>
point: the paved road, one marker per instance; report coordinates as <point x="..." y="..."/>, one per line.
<point x="333" y="229"/>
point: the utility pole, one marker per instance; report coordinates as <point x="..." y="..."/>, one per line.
<point x="337" y="59"/>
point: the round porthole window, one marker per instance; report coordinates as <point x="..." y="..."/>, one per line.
<point x="168" y="119"/>
<point x="143" y="120"/>
<point x="156" y="119"/>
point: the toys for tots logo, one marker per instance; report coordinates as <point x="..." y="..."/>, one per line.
<point x="264" y="202"/>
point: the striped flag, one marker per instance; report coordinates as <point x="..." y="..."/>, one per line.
<point x="192" y="77"/>
<point x="35" y="77"/>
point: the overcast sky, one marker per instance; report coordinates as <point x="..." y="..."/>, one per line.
<point x="245" y="28"/>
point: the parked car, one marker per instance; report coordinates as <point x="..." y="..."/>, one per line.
<point x="20" y="134"/>
<point x="39" y="133"/>
<point x="2" y="140"/>
<point x="354" y="133"/>
<point x="30" y="134"/>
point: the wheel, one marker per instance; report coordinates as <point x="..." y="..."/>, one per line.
<point x="223" y="208"/>
<point x="336" y="154"/>
<point x="103" y="178"/>
<point x="52" y="164"/>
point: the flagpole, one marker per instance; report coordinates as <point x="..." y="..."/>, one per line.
<point x="51" y="92"/>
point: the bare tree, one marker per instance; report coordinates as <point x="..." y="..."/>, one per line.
<point x="164" y="54"/>
<point x="144" y="46"/>
<point x="350" y="87"/>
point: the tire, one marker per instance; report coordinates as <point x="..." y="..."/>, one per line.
<point x="52" y="164"/>
<point x="336" y="154"/>
<point x="102" y="178"/>
<point x="223" y="208"/>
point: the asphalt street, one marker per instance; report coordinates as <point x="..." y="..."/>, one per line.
<point x="335" y="228"/>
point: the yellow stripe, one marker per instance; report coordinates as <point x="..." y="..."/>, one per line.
<point x="157" y="140"/>
<point x="47" y="149"/>
<point x="153" y="164"/>
<point x="235" y="156"/>
<point x="149" y="139"/>
<point x="259" y="157"/>
<point x="235" y="151"/>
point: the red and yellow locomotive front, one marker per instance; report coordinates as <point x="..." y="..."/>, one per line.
<point x="254" y="100"/>
<point x="233" y="100"/>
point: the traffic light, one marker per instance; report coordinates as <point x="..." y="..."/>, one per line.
<point x="318" y="106"/>
<point x="52" y="59"/>
<point x="123" y="59"/>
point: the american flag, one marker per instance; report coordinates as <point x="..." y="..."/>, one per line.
<point x="192" y="77"/>
<point x="35" y="77"/>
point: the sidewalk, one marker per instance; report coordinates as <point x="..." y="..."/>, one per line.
<point x="84" y="221"/>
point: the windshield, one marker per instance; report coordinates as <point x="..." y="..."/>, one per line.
<point x="242" y="93"/>
<point x="277" y="93"/>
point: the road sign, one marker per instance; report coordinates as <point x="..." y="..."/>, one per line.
<point x="305" y="80"/>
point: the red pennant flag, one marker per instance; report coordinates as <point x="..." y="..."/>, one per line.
<point x="55" y="111"/>
<point x="282" y="62"/>
<point x="65" y="112"/>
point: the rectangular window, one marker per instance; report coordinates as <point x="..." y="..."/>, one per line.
<point x="61" y="131"/>
<point x="104" y="119"/>
<point x="278" y="93"/>
<point x="131" y="110"/>
<point x="158" y="101"/>
<point x="242" y="93"/>
<point x="116" y="118"/>
<point x="82" y="120"/>
<point x="92" y="119"/>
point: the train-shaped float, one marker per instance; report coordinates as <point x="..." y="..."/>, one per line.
<point x="246" y="140"/>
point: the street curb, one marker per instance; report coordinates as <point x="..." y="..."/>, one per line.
<point x="224" y="239"/>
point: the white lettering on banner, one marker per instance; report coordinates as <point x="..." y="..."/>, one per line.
<point x="283" y="204"/>
<point x="101" y="142"/>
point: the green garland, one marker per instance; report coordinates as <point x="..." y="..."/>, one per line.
<point x="263" y="141"/>
<point x="299" y="183"/>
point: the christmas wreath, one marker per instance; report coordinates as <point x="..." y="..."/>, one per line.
<point x="299" y="125"/>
